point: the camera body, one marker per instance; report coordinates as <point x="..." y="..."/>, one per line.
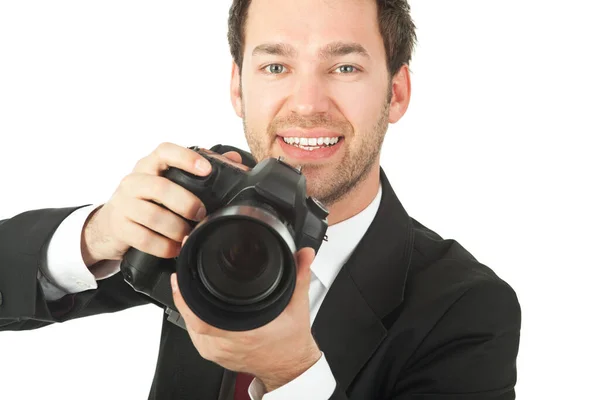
<point x="237" y="269"/>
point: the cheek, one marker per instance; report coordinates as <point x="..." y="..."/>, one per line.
<point x="262" y="103"/>
<point x="360" y="104"/>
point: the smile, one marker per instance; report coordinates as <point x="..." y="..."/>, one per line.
<point x="311" y="143"/>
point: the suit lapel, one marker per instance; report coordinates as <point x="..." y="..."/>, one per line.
<point x="348" y="326"/>
<point x="346" y="330"/>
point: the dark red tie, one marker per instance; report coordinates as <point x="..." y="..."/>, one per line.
<point x="242" y="382"/>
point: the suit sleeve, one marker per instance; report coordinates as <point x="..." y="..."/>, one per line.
<point x="23" y="241"/>
<point x="63" y="270"/>
<point x="471" y="352"/>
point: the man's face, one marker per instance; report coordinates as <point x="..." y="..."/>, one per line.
<point x="315" y="89"/>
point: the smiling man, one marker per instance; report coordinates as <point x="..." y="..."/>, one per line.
<point x="387" y="309"/>
<point x="314" y="84"/>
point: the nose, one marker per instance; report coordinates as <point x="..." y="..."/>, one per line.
<point x="309" y="96"/>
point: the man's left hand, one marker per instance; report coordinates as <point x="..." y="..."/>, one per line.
<point x="275" y="353"/>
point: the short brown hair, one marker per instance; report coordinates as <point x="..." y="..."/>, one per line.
<point x="395" y="25"/>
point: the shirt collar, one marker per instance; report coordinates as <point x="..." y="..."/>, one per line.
<point x="342" y="239"/>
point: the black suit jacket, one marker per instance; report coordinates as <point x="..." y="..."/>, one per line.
<point x="410" y="315"/>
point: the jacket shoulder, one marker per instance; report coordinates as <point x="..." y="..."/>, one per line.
<point x="459" y="324"/>
<point x="447" y="262"/>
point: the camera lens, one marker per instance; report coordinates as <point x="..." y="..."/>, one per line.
<point x="237" y="269"/>
<point x="240" y="261"/>
<point x="244" y="258"/>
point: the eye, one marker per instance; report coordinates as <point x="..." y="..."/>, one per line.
<point x="347" y="69"/>
<point x="274" y="69"/>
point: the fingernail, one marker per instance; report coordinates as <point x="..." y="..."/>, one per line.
<point x="201" y="213"/>
<point x="202" y="165"/>
<point x="174" y="286"/>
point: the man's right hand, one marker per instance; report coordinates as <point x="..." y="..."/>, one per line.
<point x="131" y="219"/>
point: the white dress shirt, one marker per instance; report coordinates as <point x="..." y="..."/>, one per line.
<point x="64" y="272"/>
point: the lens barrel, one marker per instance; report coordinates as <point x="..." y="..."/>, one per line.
<point x="236" y="270"/>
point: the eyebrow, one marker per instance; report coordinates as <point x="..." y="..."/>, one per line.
<point x="335" y="49"/>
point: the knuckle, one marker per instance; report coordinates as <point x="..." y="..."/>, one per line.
<point x="141" y="164"/>
<point x="125" y="181"/>
<point x="130" y="184"/>
<point x="152" y="216"/>
<point x="143" y="241"/>
<point x="160" y="185"/>
<point x="162" y="148"/>
<point x="206" y="353"/>
<point x="180" y="233"/>
<point x="194" y="205"/>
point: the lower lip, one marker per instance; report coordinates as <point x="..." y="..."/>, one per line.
<point x="300" y="154"/>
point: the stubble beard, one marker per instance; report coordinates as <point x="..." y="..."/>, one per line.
<point x="339" y="182"/>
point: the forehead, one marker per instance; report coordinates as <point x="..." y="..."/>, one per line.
<point x="307" y="25"/>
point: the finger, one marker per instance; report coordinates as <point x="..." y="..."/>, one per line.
<point x="228" y="159"/>
<point x="233" y="156"/>
<point x="147" y="241"/>
<point x="162" y="191"/>
<point x="158" y="219"/>
<point x="304" y="258"/>
<point x="191" y="319"/>
<point x="171" y="155"/>
<point x="192" y="322"/>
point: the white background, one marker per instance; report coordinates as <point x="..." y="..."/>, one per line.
<point x="498" y="150"/>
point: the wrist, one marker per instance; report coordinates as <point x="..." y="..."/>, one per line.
<point x="297" y="367"/>
<point x="88" y="234"/>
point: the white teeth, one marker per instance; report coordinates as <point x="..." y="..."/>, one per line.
<point x="309" y="148"/>
<point x="311" y="143"/>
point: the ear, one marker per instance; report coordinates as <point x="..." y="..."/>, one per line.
<point x="400" y="94"/>
<point x="236" y="95"/>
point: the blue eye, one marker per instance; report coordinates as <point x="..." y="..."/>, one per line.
<point x="274" y="68"/>
<point x="346" y="69"/>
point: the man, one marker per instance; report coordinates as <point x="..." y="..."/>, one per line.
<point x="386" y="310"/>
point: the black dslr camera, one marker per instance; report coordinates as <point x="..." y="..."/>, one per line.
<point x="237" y="269"/>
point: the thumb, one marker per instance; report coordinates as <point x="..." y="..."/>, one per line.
<point x="233" y="156"/>
<point x="304" y="259"/>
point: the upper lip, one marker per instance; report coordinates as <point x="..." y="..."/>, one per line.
<point x="308" y="133"/>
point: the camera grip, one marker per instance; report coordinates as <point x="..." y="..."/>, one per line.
<point x="149" y="274"/>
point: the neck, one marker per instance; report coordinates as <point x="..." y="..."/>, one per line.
<point x="357" y="199"/>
